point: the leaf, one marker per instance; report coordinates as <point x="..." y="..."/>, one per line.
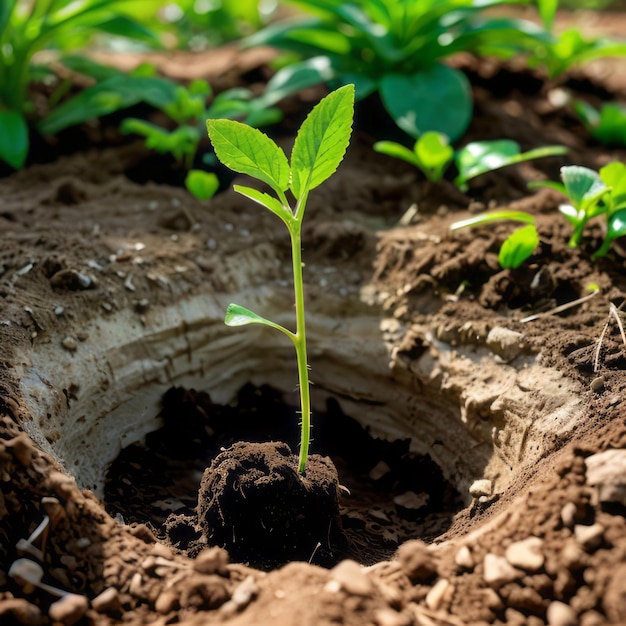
<point x="480" y="157"/>
<point x="436" y="99"/>
<point x="494" y="216"/>
<point x="265" y="200"/>
<point x="434" y="153"/>
<point x="616" y="227"/>
<point x="518" y="246"/>
<point x="581" y="183"/>
<point x="547" y="12"/>
<point x="397" y="151"/>
<point x="237" y="315"/>
<point x="113" y="94"/>
<point x="248" y="151"/>
<point x="13" y="138"/>
<point x="322" y="141"/>
<point x="613" y="175"/>
<point x="202" y="185"/>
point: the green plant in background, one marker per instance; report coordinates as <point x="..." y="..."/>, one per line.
<point x="570" y="47"/>
<point x="318" y="150"/>
<point x="607" y="125"/>
<point x="432" y="154"/>
<point x="396" y="48"/>
<point x="27" y="27"/>
<point x="590" y="194"/>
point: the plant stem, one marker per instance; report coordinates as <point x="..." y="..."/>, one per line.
<point x="300" y="344"/>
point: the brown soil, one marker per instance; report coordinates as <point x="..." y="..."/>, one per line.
<point x="481" y="457"/>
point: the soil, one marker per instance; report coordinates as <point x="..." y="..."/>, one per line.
<point x="477" y="434"/>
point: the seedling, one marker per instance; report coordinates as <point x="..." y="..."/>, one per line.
<point x="318" y="150"/>
<point x="590" y="194"/>
<point x="432" y="154"/>
<point x="607" y="125"/>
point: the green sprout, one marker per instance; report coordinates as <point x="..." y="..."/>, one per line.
<point x="432" y="154"/>
<point x="318" y="150"/>
<point x="607" y="125"/>
<point x="590" y="194"/>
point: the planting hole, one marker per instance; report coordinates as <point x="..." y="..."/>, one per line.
<point x="410" y="421"/>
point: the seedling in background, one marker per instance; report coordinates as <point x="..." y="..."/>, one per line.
<point x="590" y="194"/>
<point x="318" y="150"/>
<point x="432" y="154"/>
<point x="607" y="125"/>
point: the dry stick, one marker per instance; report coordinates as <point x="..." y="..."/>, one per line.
<point x="562" y="307"/>
<point x="613" y="310"/>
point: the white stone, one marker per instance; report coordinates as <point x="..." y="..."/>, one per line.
<point x="498" y="571"/>
<point x="526" y="554"/>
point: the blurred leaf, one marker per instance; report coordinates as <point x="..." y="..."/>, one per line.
<point x="13" y="138"/>
<point x="202" y="185"/>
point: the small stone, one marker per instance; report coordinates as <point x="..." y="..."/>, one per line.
<point x="350" y="577"/>
<point x="597" y="384"/>
<point x="69" y="609"/>
<point x="411" y="501"/>
<point x="379" y="470"/>
<point x="573" y="557"/>
<point x="22" y="612"/>
<point x="166" y="602"/>
<point x="389" y="617"/>
<point x="416" y="561"/>
<point x="69" y="343"/>
<point x="607" y="472"/>
<point x="498" y="571"/>
<point x="526" y="554"/>
<point x="436" y="597"/>
<point x="107" y="601"/>
<point x="506" y="343"/>
<point x="590" y="537"/>
<point x="211" y="561"/>
<point x="560" y="614"/>
<point x="482" y="487"/>
<point x="463" y="558"/>
<point x="568" y="514"/>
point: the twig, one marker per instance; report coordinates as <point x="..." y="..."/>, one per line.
<point x="562" y="307"/>
<point x="613" y="310"/>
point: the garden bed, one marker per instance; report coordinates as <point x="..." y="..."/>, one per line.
<point x="120" y="383"/>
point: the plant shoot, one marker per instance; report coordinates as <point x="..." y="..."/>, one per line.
<point x="319" y="148"/>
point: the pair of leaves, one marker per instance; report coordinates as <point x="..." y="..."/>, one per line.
<point x="319" y="147"/>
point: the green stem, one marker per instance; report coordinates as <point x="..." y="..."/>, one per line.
<point x="300" y="344"/>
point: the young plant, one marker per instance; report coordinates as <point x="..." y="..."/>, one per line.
<point x="590" y="194"/>
<point x="396" y="48"/>
<point x="318" y="150"/>
<point x="607" y="125"/>
<point x="26" y="28"/>
<point x="432" y="154"/>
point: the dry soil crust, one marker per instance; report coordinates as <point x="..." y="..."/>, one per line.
<point x="85" y="252"/>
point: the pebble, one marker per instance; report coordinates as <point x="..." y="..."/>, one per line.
<point x="438" y="594"/>
<point x="211" y="561"/>
<point x="560" y="614"/>
<point x="573" y="556"/>
<point x="568" y="514"/>
<point x="506" y="343"/>
<point x="107" y="600"/>
<point x="69" y="609"/>
<point x="349" y="576"/>
<point x="21" y="610"/>
<point x="464" y="558"/>
<point x="498" y="571"/>
<point x="526" y="554"/>
<point x="607" y="472"/>
<point x="590" y="537"/>
<point x="69" y="343"/>
<point x="389" y="617"/>
<point x="482" y="487"/>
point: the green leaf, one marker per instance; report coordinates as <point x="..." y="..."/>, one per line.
<point x="494" y="216"/>
<point x="616" y="227"/>
<point x="613" y="175"/>
<point x="322" y="141"/>
<point x="113" y="94"/>
<point x="480" y="157"/>
<point x="434" y="153"/>
<point x="581" y="183"/>
<point x="13" y="138"/>
<point x="436" y="99"/>
<point x="248" y="151"/>
<point x="547" y="12"/>
<point x="397" y="151"/>
<point x="265" y="200"/>
<point x="518" y="246"/>
<point x="202" y="185"/>
<point x="237" y="315"/>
